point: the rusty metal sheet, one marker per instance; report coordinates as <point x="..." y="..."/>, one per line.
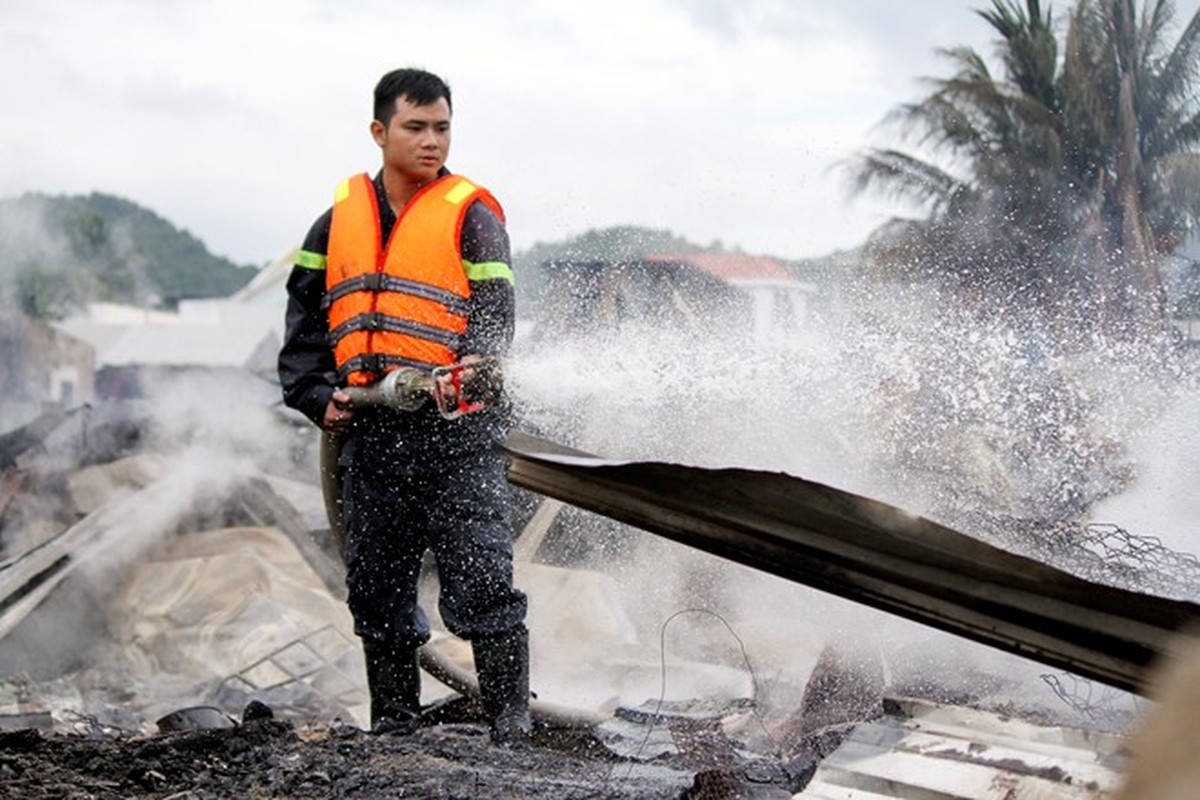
<point x="870" y="553"/>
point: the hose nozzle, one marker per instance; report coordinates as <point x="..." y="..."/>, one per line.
<point x="404" y="389"/>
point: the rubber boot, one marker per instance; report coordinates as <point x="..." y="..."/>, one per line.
<point x="394" y="682"/>
<point x="502" y="664"/>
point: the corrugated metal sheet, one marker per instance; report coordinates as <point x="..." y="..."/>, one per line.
<point x="871" y="553"/>
<point x="925" y="751"/>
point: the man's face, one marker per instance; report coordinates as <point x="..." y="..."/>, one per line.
<point x="416" y="140"/>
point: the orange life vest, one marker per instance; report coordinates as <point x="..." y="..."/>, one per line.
<point x="404" y="304"/>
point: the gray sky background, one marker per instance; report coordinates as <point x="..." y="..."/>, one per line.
<point x="714" y="119"/>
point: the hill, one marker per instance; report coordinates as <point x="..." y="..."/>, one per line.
<point x="60" y="252"/>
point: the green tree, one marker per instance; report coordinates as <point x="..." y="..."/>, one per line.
<point x="66" y="251"/>
<point x="1062" y="180"/>
<point x="45" y="293"/>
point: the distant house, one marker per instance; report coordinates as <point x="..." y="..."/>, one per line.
<point x="581" y="298"/>
<point x="41" y="368"/>
<point x="754" y="295"/>
<point x="240" y="333"/>
<point x="778" y="299"/>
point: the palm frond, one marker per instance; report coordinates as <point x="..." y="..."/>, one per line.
<point x="1088" y="140"/>
<point x="1030" y="50"/>
<point x="899" y="175"/>
<point x="1182" y="65"/>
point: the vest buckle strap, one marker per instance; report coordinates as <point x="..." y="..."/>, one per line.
<point x="373" y="363"/>
<point x="377" y="282"/>
<point x="379" y="321"/>
<point x="376" y="364"/>
<point x="453" y="302"/>
<point x="340" y="290"/>
<point x="369" y="321"/>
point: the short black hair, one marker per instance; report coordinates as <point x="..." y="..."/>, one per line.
<point x="420" y="87"/>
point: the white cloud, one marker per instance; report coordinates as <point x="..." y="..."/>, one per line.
<point x="234" y="118"/>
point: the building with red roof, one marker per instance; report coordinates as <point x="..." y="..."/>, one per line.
<point x="778" y="300"/>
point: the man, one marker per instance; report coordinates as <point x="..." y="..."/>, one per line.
<point x="414" y="481"/>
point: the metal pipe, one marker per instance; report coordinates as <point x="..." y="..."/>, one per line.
<point x="404" y="389"/>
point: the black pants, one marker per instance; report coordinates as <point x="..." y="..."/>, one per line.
<point x="418" y="483"/>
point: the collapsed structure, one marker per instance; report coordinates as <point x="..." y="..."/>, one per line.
<point x="177" y="555"/>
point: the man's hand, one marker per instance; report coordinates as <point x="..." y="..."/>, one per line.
<point x="471" y="384"/>
<point x="338" y="413"/>
<point x="445" y="382"/>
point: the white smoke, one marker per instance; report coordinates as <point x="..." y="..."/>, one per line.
<point x="1163" y="499"/>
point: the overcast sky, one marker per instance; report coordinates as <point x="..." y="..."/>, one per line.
<point x="234" y="119"/>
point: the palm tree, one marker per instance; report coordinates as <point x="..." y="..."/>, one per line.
<point x="1063" y="180"/>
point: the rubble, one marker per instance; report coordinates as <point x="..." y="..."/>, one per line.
<point x="270" y="758"/>
<point x="168" y="592"/>
<point x="173" y="626"/>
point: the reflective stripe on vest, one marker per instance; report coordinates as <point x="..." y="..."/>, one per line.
<point x="405" y="304"/>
